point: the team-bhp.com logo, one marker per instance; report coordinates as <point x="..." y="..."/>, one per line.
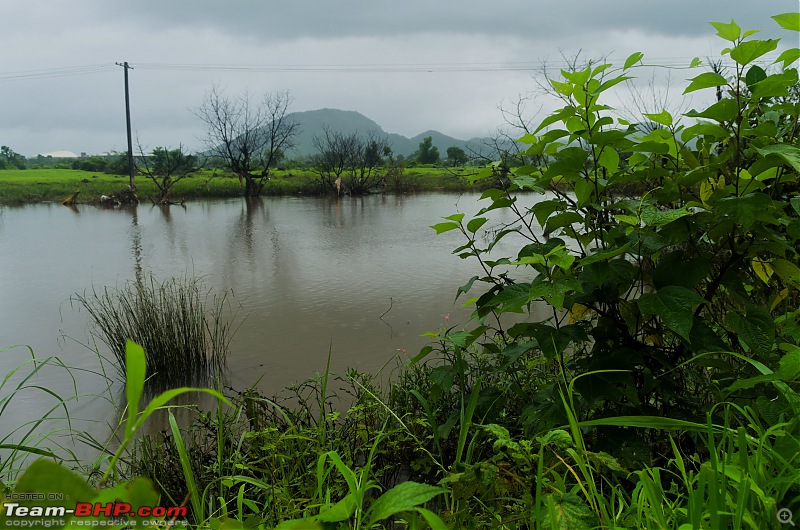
<point x="18" y="515"/>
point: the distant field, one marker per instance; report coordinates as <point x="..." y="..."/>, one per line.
<point x="40" y="185"/>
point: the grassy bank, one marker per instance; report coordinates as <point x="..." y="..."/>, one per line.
<point x="39" y="185"/>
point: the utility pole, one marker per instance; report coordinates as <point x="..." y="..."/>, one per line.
<point x="128" y="120"/>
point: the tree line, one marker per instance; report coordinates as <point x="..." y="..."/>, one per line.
<point x="250" y="138"/>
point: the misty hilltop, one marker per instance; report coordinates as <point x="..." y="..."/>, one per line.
<point x="313" y="122"/>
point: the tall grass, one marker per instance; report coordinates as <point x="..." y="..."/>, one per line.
<point x="18" y="443"/>
<point x="184" y="328"/>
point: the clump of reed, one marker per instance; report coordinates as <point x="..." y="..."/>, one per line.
<point x="184" y="329"/>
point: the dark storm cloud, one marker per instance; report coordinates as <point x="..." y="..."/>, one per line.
<point x="171" y="44"/>
<point x="532" y="20"/>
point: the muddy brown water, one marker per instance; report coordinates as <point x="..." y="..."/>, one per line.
<point x="364" y="277"/>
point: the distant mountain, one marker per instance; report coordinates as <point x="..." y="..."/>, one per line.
<point x="312" y="123"/>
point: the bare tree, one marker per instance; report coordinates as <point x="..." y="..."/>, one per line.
<point x="503" y="144"/>
<point x="651" y="99"/>
<point x="350" y="163"/>
<point x="249" y="138"/>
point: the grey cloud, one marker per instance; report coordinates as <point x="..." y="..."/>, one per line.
<point x="269" y="21"/>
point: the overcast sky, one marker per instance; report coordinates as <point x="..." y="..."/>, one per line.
<point x="410" y="66"/>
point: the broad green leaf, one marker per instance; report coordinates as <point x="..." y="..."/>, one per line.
<point x="628" y="219"/>
<point x="560" y="257"/>
<point x="695" y="62"/>
<point x="562" y="219"/>
<point x="600" y="69"/>
<point x="465" y="288"/>
<point x="610" y="83"/>
<point x="456" y="217"/>
<point x="756" y="329"/>
<point x="558" y="437"/>
<point x="673" y="304"/>
<point x="652" y="216"/>
<point x="577" y="312"/>
<point x="565" y="89"/>
<point x="608" y="254"/>
<point x="341" y="511"/>
<point x="746" y="209"/>
<point x="543" y="209"/>
<point x="721" y="111"/>
<point x="705" y="129"/>
<point x="705" y="80"/>
<point x="561" y="115"/>
<point x="754" y="75"/>
<point x="444" y="227"/>
<point x="575" y="124"/>
<point x="775" y="85"/>
<point x="609" y="159"/>
<point x="433" y="520"/>
<point x="790" y="365"/>
<point x="765" y="128"/>
<point x="512" y="298"/>
<point x="475" y="224"/>
<point x="790" y="21"/>
<point x="567" y="511"/>
<point x="663" y="118"/>
<point x="578" y="77"/>
<point x="632" y="59"/>
<point x="729" y="32"/>
<point x="788" y="57"/>
<point x="583" y="191"/>
<point x="135" y="371"/>
<point x="789" y="153"/>
<point x="762" y="269"/>
<point x="659" y="148"/>
<point x="748" y="51"/>
<point x="404" y="497"/>
<point x="787" y="271"/>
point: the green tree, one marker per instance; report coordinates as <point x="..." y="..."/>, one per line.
<point x="427" y="152"/>
<point x="11" y="158"/>
<point x="456" y="156"/>
<point x="118" y="164"/>
<point x="166" y="167"/>
<point x="93" y="163"/>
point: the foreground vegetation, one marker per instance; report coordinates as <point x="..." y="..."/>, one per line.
<point x="661" y="393"/>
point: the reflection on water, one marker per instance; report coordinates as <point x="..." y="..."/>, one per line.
<point x="364" y="277"/>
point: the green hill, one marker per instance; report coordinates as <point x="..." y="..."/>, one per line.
<point x="312" y="123"/>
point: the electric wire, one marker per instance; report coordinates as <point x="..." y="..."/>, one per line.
<point x="671" y="63"/>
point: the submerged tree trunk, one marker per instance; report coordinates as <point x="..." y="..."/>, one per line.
<point x="252" y="186"/>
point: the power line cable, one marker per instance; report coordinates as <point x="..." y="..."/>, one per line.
<point x="55" y="72"/>
<point x="671" y="63"/>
